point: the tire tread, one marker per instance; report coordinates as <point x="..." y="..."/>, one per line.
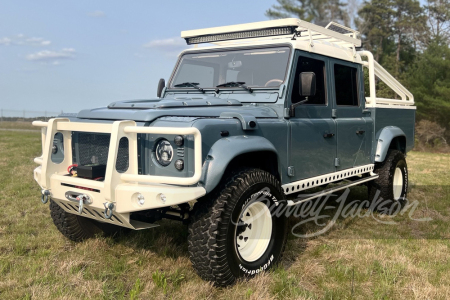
<point x="383" y="182"/>
<point x="73" y="227"/>
<point x="209" y="224"/>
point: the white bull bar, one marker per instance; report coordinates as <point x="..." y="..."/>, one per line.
<point x="122" y="189"/>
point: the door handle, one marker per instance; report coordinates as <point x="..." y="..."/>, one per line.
<point x="328" y="135"/>
<point x="360" y="131"/>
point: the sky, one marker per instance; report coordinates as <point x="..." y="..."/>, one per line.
<point x="71" y="55"/>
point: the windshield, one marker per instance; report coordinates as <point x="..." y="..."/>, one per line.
<point x="252" y="67"/>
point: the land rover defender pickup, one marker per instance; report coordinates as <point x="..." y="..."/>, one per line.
<point x="263" y="112"/>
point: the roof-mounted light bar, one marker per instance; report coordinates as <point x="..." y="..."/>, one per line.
<point x="241" y="31"/>
<point x="336" y="33"/>
<point x="289" y="30"/>
<point x="343" y="30"/>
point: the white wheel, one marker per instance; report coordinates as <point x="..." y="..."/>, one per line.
<point x="391" y="186"/>
<point x="254" y="231"/>
<point x="397" y="184"/>
<point x="234" y="234"/>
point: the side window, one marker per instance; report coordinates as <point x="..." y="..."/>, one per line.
<point x="305" y="64"/>
<point x="345" y="84"/>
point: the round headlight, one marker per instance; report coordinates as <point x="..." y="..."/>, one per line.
<point x="164" y="152"/>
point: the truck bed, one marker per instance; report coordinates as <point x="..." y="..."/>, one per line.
<point x="402" y="117"/>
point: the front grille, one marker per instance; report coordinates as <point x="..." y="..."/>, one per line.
<point x="92" y="148"/>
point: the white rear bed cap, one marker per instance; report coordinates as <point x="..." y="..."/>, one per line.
<point x="274" y="28"/>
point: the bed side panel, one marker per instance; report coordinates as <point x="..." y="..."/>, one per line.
<point x="399" y="117"/>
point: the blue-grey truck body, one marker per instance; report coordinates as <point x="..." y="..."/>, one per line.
<point x="278" y="106"/>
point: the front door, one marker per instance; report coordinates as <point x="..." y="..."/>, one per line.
<point x="348" y="104"/>
<point x="313" y="139"/>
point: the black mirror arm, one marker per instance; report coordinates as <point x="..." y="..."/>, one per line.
<point x="293" y="106"/>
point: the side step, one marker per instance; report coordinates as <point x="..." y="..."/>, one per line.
<point x="330" y="190"/>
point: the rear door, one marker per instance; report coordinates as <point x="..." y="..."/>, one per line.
<point x="352" y="131"/>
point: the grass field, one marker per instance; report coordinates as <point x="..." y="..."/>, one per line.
<point x="359" y="258"/>
<point x="17" y="125"/>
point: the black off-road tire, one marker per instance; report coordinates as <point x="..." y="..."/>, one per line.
<point x="77" y="228"/>
<point x="381" y="190"/>
<point x="73" y="227"/>
<point x="213" y="231"/>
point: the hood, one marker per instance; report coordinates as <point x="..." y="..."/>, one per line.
<point x="149" y="110"/>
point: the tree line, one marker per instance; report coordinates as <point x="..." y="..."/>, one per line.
<point x="409" y="39"/>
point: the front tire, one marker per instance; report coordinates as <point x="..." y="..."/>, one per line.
<point x="77" y="228"/>
<point x="234" y="231"/>
<point x="388" y="192"/>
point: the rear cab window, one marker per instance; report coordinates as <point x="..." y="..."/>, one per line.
<point x="346" y="85"/>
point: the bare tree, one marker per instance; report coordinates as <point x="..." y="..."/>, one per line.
<point x="430" y="134"/>
<point x="439" y="19"/>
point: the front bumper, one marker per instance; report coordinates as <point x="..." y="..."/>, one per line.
<point x="120" y="189"/>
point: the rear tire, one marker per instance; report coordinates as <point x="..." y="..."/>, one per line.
<point x="77" y="228"/>
<point x="233" y="232"/>
<point x="388" y="192"/>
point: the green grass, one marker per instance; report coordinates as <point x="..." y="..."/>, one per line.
<point x="359" y="258"/>
<point x="17" y="125"/>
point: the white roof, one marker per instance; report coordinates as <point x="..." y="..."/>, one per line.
<point x="334" y="33"/>
<point x="240" y="27"/>
<point x="334" y="40"/>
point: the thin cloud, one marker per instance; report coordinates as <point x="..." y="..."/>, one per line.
<point x="97" y="14"/>
<point x="5" y="41"/>
<point x="22" y="40"/>
<point x="35" y="41"/>
<point x="167" y="45"/>
<point x="52" y="57"/>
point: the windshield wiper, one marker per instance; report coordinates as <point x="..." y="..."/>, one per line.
<point x="190" y="84"/>
<point x="234" y="83"/>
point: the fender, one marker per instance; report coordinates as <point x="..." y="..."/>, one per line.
<point x="384" y="139"/>
<point x="222" y="153"/>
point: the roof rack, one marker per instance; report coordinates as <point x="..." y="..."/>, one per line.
<point x="343" y="29"/>
<point x="283" y="28"/>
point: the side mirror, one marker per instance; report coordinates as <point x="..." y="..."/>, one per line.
<point x="307" y="84"/>
<point x="161" y="86"/>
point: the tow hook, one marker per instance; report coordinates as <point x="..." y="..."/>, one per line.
<point x="81" y="200"/>
<point x="109" y="207"/>
<point x="45" y="196"/>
